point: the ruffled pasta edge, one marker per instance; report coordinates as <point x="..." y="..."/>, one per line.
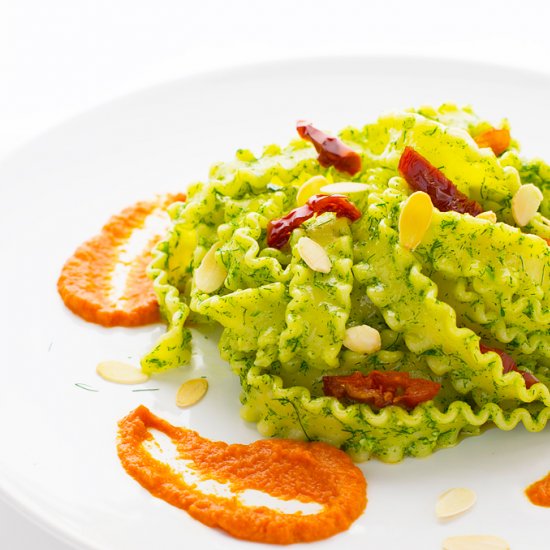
<point x="173" y="348"/>
<point x="388" y="435"/>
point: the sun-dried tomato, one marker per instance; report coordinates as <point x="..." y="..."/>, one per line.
<point x="423" y="176"/>
<point x="332" y="151"/>
<point x="497" y="140"/>
<point x="380" y="389"/>
<point x="279" y="230"/>
<point x="508" y="365"/>
<point x="529" y="378"/>
<point x="339" y="204"/>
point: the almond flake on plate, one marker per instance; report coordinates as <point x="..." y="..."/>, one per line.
<point x="210" y="275"/>
<point x="475" y="542"/>
<point x="311" y="187"/>
<point x="362" y="339"/>
<point x="525" y="203"/>
<point x="120" y="373"/>
<point x="191" y="392"/>
<point x="454" y="502"/>
<point x="414" y="220"/>
<point x="488" y="216"/>
<point x="314" y="255"/>
<point x="344" y="188"/>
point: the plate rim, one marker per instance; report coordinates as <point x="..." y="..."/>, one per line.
<point x="445" y="63"/>
<point x="19" y="500"/>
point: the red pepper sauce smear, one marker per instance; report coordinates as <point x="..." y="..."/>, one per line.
<point x="279" y="230"/>
<point x="86" y="280"/>
<point x="308" y="472"/>
<point x="332" y="151"/>
<point x="508" y="365"/>
<point x="539" y="492"/>
<point x="497" y="140"/>
<point x="423" y="176"/>
<point x="381" y="389"/>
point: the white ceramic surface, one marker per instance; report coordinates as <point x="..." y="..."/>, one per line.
<point x="58" y="460"/>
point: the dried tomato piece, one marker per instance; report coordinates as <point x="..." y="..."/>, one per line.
<point x="497" y="140"/>
<point x="423" y="176"/>
<point x="339" y="204"/>
<point x="508" y="362"/>
<point x="332" y="151"/>
<point x="280" y="229"/>
<point x="508" y="365"/>
<point x="529" y="378"/>
<point x="380" y="389"/>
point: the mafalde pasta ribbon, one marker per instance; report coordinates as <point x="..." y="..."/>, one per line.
<point x="470" y="285"/>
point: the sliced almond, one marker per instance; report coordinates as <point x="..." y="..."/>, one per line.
<point x="475" y="542"/>
<point x="120" y="373"/>
<point x="362" y="339"/>
<point x="489" y="216"/>
<point x="191" y="392"/>
<point x="210" y="275"/>
<point x="525" y="203"/>
<point x="415" y="219"/>
<point x="454" y="502"/>
<point x="309" y="188"/>
<point x="313" y="254"/>
<point x="344" y="188"/>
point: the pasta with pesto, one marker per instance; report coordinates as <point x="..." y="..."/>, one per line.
<point x="453" y="311"/>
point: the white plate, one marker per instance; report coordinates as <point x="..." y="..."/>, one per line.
<point x="58" y="461"/>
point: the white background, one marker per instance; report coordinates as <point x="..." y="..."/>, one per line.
<point x="60" y="57"/>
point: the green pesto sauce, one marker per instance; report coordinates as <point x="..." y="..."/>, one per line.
<point x="284" y="323"/>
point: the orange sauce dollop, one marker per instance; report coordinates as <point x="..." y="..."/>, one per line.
<point x="87" y="281"/>
<point x="497" y="139"/>
<point x="288" y="470"/>
<point x="539" y="492"/>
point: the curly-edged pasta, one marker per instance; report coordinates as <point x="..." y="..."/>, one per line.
<point x="466" y="310"/>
